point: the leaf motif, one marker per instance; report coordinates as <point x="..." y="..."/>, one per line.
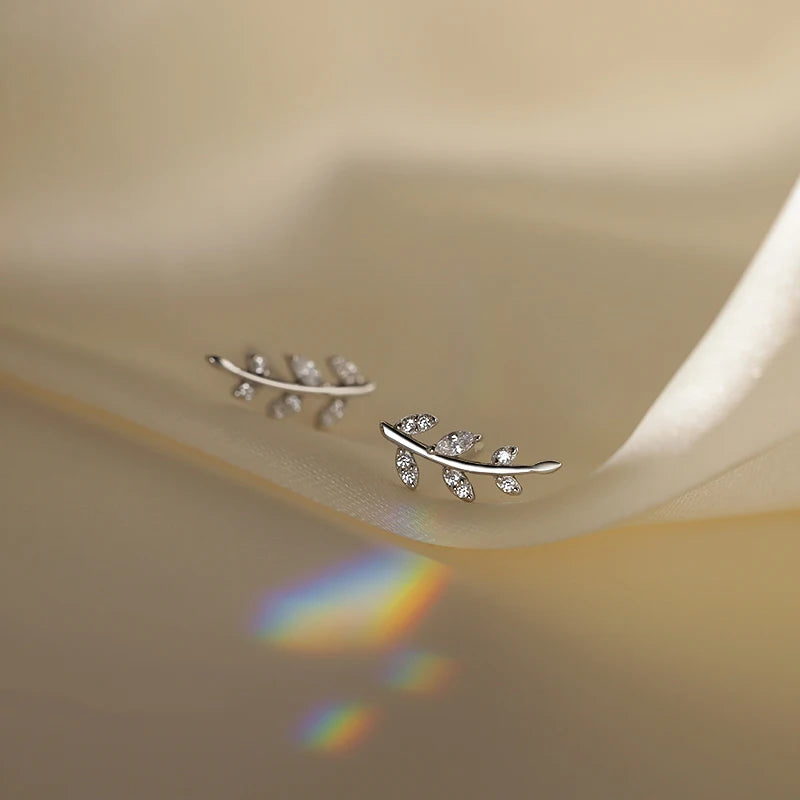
<point x="425" y="422"/>
<point x="346" y="371"/>
<point x="244" y="391"/>
<point x="458" y="483"/>
<point x="416" y="423"/>
<point x="504" y="455"/>
<point x="407" y="424"/>
<point x="284" y="405"/>
<point x="331" y="413"/>
<point x="257" y="364"/>
<point x="456" y="442"/>
<point x="407" y="467"/>
<point x="508" y="484"/>
<point x="305" y="370"/>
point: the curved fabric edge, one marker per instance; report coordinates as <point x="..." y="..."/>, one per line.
<point x="735" y="396"/>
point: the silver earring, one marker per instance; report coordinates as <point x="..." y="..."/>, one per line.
<point x="447" y="452"/>
<point x="307" y="380"/>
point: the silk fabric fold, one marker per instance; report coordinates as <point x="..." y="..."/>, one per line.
<point x="576" y="253"/>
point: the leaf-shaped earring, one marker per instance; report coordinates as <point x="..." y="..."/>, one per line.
<point x="447" y="452"/>
<point x="502" y="457"/>
<point x="458" y="483"/>
<point x="404" y="459"/>
<point x="407" y="467"/>
<point x="307" y="379"/>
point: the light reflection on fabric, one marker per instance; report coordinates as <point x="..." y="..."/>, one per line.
<point x="418" y="672"/>
<point x="336" y="727"/>
<point x="371" y="604"/>
<point x="367" y="604"/>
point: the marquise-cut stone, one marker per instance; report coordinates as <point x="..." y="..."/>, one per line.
<point x="504" y="455"/>
<point x="346" y="371"/>
<point x="456" y="442"/>
<point x="305" y="370"/>
<point x="459" y="484"/>
<point x="508" y="484"/>
<point x="407" y="467"/>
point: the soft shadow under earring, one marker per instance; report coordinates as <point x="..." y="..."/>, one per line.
<point x="308" y="379"/>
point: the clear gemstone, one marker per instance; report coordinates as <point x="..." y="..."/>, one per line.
<point x="404" y="458"/>
<point x="407" y="467"/>
<point x="346" y="371"/>
<point x="332" y="413"/>
<point x="294" y="402"/>
<point x="408" y="424"/>
<point x="244" y="391"/>
<point x="425" y="422"/>
<point x="464" y="491"/>
<point x="257" y="364"/>
<point x="508" y="484"/>
<point x="452" y="476"/>
<point x="459" y="484"/>
<point x="504" y="455"/>
<point x="284" y="405"/>
<point x="416" y="423"/>
<point x="456" y="442"/>
<point x="305" y="370"/>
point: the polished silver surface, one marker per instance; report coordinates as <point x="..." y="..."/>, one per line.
<point x="327" y="389"/>
<point x="308" y="379"/>
<point x="426" y="451"/>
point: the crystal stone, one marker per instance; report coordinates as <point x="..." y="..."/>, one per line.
<point x="346" y="371"/>
<point x="257" y="364"/>
<point x="508" y="484"/>
<point x="416" y="423"/>
<point x="407" y="467"/>
<point x="305" y="370"/>
<point x="504" y="455"/>
<point x="244" y="391"/>
<point x="425" y="422"/>
<point x="332" y="413"/>
<point x="459" y="484"/>
<point x="452" y="477"/>
<point x="408" y="424"/>
<point x="284" y="405"/>
<point x="456" y="442"/>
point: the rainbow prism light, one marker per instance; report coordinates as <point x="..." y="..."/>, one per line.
<point x="336" y="727"/>
<point x="363" y="605"/>
<point x="418" y="672"/>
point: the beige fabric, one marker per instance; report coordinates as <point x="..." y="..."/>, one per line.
<point x="657" y="662"/>
<point x="523" y="219"/>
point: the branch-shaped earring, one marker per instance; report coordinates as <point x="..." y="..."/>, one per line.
<point x="308" y="380"/>
<point x="447" y="452"/>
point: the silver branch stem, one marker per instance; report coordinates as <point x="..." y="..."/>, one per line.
<point x="328" y="389"/>
<point x="403" y="440"/>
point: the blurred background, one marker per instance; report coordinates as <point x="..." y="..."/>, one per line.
<point x="522" y="217"/>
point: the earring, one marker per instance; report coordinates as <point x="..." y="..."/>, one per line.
<point x="447" y="452"/>
<point x="307" y="380"/>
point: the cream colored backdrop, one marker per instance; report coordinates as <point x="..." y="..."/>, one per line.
<point x="521" y="217"/>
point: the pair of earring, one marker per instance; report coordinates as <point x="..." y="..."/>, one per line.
<point x="307" y="379"/>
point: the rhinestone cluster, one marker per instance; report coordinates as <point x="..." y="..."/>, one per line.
<point x="306" y="373"/>
<point x="452" y="445"/>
